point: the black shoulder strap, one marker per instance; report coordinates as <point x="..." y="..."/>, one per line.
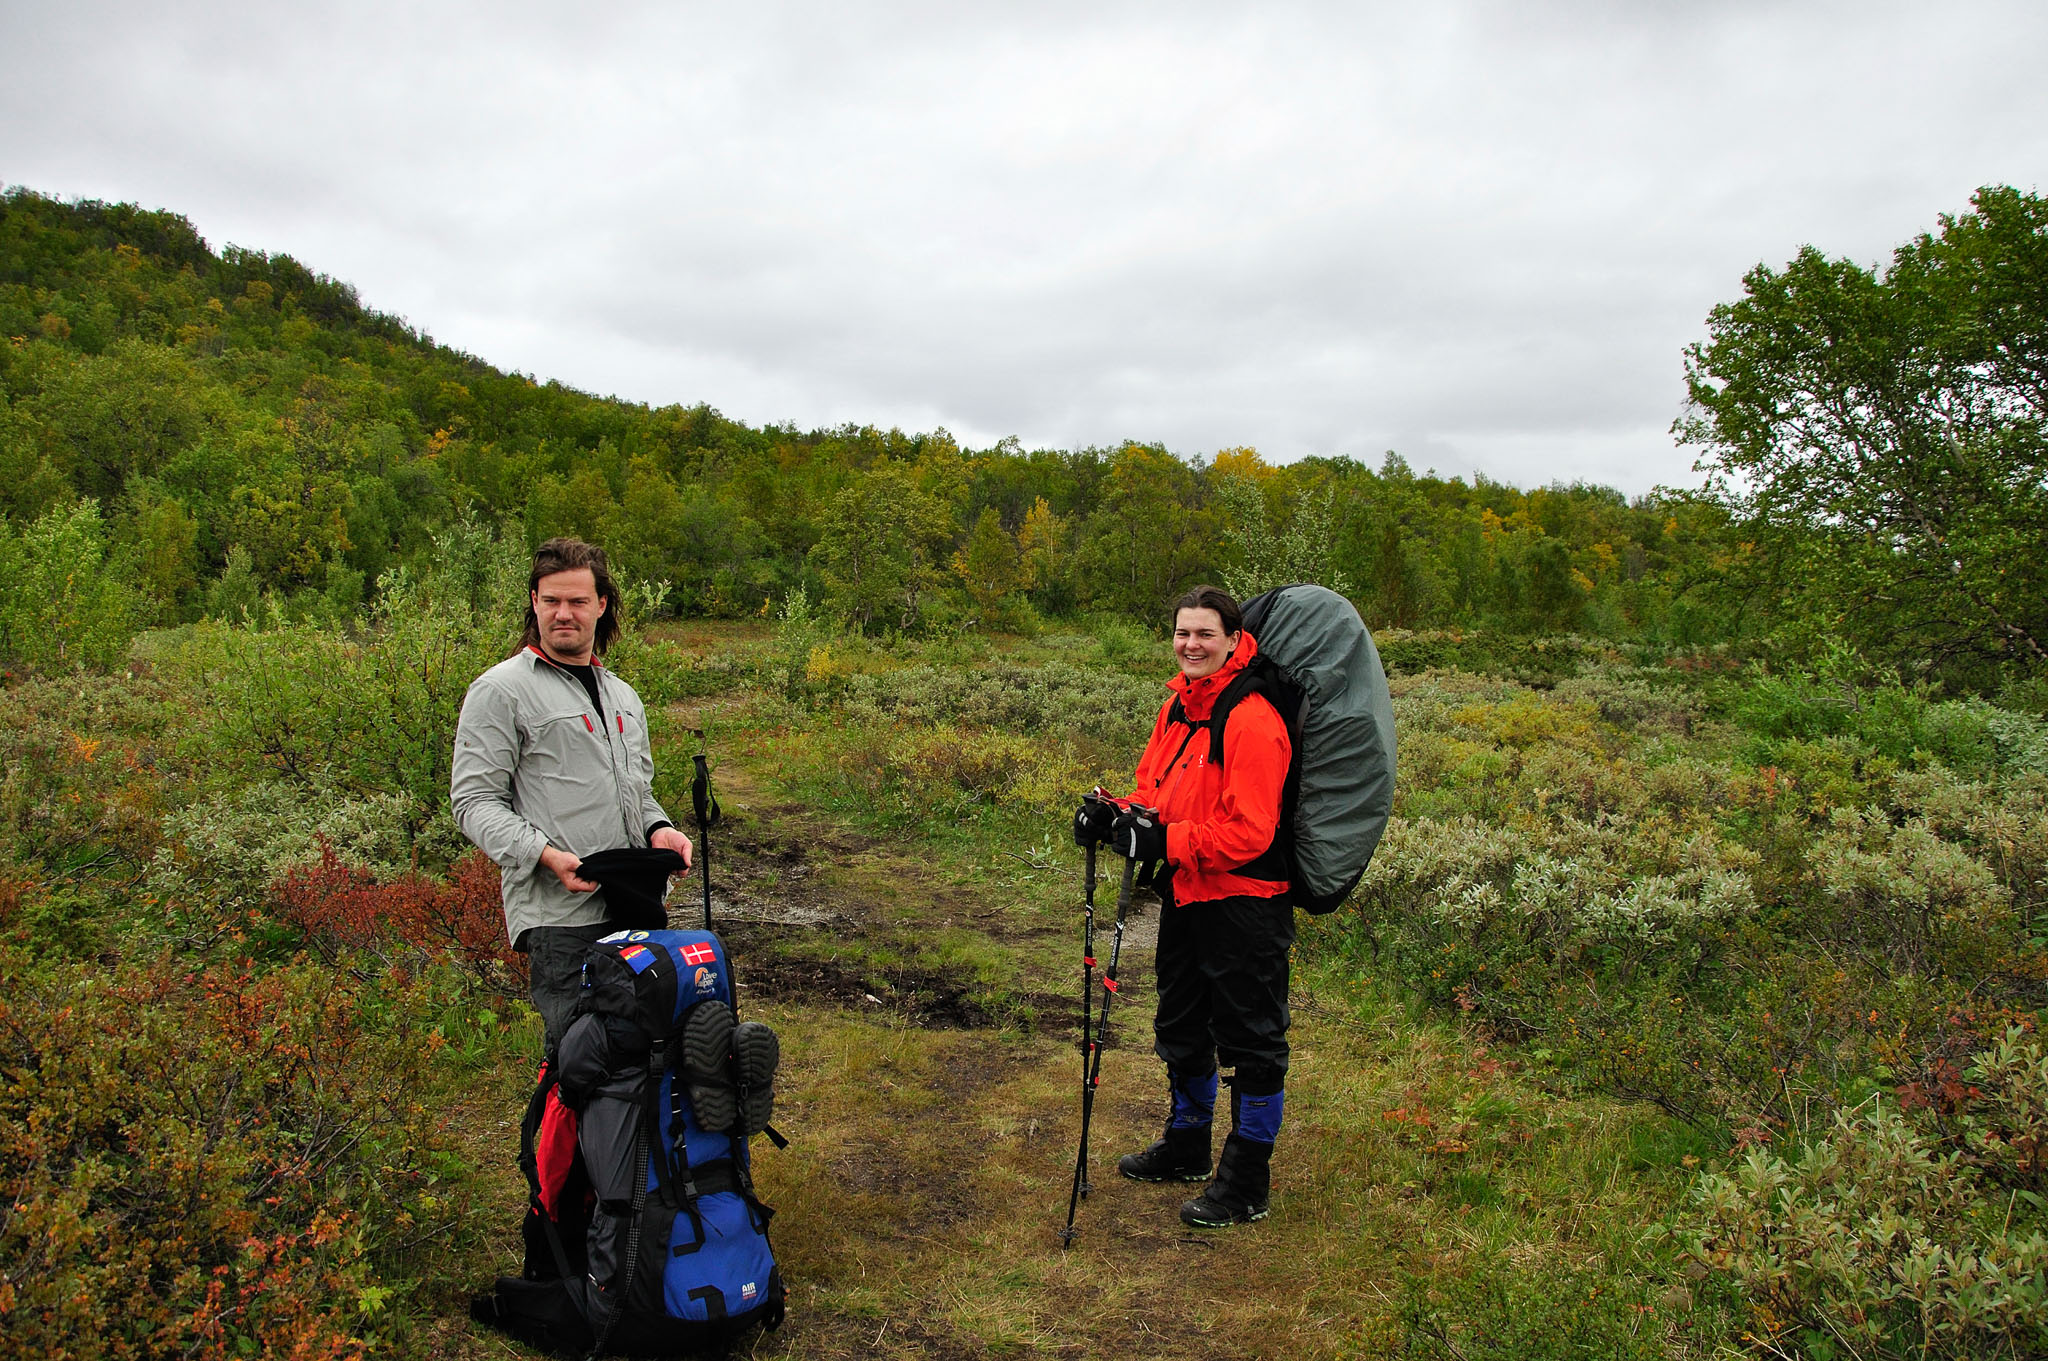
<point x="1250" y="681"/>
<point x="1263" y="678"/>
<point x="1178" y="714"/>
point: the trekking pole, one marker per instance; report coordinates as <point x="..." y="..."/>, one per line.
<point x="1087" y="1048"/>
<point x="706" y="804"/>
<point x="1091" y="1059"/>
<point x="1087" y="953"/>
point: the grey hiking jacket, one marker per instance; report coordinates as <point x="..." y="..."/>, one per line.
<point x="535" y="767"/>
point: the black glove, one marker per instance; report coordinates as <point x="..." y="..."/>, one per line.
<point x="1139" y="835"/>
<point x="1092" y="821"/>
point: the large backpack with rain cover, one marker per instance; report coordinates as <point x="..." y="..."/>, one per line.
<point x="1317" y="666"/>
<point x="643" y="1232"/>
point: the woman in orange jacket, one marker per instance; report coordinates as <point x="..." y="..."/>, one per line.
<point x="1225" y="928"/>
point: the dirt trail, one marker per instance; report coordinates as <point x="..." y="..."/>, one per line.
<point x="930" y="1128"/>
<point x="817" y="912"/>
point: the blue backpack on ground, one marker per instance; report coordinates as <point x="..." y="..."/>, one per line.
<point x="643" y="1232"/>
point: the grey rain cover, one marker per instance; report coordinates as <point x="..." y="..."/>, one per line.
<point x="1316" y="639"/>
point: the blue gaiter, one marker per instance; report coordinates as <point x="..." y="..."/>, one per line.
<point x="1258" y="1117"/>
<point x="1194" y="1100"/>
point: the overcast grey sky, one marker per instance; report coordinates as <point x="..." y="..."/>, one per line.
<point x="1478" y="234"/>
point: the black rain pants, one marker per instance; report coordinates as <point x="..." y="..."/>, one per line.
<point x="1222" y="972"/>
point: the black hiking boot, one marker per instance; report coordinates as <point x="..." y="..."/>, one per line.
<point x="756" y="1052"/>
<point x="707" y="1066"/>
<point x="1183" y="1155"/>
<point x="1239" y="1195"/>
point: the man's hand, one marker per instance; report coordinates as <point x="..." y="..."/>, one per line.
<point x="672" y="839"/>
<point x="564" y="867"/>
<point x="1139" y="835"/>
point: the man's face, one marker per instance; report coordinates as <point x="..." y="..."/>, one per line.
<point x="567" y="606"/>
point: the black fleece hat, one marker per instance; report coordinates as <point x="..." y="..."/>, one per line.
<point x="635" y="884"/>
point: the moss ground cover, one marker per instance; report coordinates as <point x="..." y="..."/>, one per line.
<point x="1684" y="1011"/>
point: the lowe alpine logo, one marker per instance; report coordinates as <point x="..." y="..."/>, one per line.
<point x="749" y="1290"/>
<point x="706" y="980"/>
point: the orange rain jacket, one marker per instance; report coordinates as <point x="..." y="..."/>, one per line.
<point x="1217" y="820"/>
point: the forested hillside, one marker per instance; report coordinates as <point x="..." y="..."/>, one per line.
<point x="221" y="426"/>
<point x="1690" y="1006"/>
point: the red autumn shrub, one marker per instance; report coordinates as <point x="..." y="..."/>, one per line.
<point x="344" y="907"/>
<point x="214" y="1161"/>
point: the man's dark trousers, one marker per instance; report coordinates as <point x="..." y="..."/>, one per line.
<point x="554" y="964"/>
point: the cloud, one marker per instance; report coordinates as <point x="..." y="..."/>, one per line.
<point x="1483" y="231"/>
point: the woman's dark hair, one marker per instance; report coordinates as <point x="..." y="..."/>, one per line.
<point x="1212" y="598"/>
<point x="566" y="555"/>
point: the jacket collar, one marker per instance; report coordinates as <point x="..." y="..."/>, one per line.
<point x="1197" y="698"/>
<point x="546" y="660"/>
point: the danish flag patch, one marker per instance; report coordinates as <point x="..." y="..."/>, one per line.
<point x="699" y="954"/>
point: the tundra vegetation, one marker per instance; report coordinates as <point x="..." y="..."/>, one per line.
<point x="1690" y="1007"/>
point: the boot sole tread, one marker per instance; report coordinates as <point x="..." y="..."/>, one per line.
<point x="1248" y="1217"/>
<point x="707" y="1047"/>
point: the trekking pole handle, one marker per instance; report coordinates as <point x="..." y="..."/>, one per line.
<point x="705" y="804"/>
<point x="1123" y="892"/>
<point x="702" y="800"/>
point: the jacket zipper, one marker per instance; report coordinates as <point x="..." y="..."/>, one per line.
<point x="611" y="751"/>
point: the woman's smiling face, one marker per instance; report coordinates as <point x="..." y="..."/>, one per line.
<point x="1200" y="643"/>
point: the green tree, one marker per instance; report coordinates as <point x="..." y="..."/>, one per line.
<point x="882" y="548"/>
<point x="236" y="598"/>
<point x="1153" y="535"/>
<point x="989" y="567"/>
<point x="125" y="412"/>
<point x="1884" y="436"/>
<point x="1267" y="556"/>
<point x="1044" y="557"/>
<point x="58" y="608"/>
<point x="163" y="540"/>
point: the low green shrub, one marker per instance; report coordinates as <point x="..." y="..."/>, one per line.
<point x="944" y="773"/>
<point x="61" y="609"/>
<point x="1905" y="895"/>
<point x="663" y="672"/>
<point x="365" y="715"/>
<point x="1881" y="1239"/>
<point x="1055" y="699"/>
<point x="221" y="855"/>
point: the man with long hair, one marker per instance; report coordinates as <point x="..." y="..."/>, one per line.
<point x="552" y="764"/>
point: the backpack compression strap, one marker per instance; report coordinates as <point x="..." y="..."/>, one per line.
<point x="646" y="1133"/>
